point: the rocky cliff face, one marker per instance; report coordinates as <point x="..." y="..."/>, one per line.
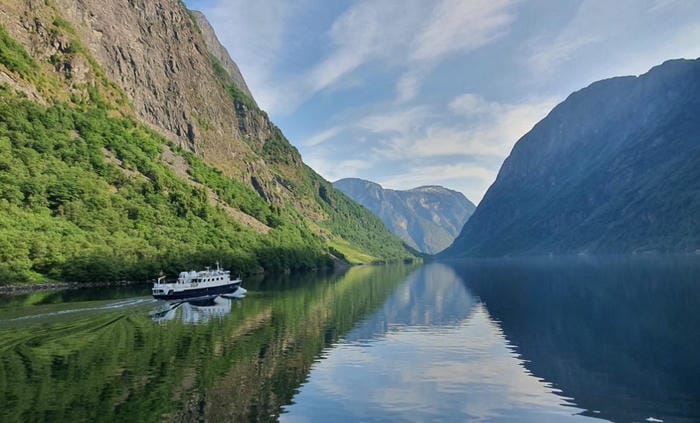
<point x="614" y="168"/>
<point x="220" y="52"/>
<point x="427" y="218"/>
<point x="157" y="53"/>
<point x="162" y="56"/>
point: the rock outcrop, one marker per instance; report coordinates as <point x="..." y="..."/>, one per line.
<point x="220" y="52"/>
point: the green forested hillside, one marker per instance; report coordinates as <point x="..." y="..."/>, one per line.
<point x="86" y="195"/>
<point x="68" y="213"/>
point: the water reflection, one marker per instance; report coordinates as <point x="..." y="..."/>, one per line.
<point x="431" y="353"/>
<point x="108" y="360"/>
<point x="431" y="298"/>
<point x="489" y="341"/>
<point x="619" y="335"/>
<point x="193" y="311"/>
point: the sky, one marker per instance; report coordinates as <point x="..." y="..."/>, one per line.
<point x="434" y="92"/>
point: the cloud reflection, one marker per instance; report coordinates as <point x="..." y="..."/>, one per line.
<point x="432" y="352"/>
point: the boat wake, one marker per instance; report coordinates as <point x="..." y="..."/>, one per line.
<point x="124" y="304"/>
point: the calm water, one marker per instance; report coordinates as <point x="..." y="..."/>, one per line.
<point x="549" y="340"/>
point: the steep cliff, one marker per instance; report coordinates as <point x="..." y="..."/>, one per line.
<point x="427" y="218"/>
<point x="127" y="139"/>
<point x="614" y="168"/>
<point x="220" y="53"/>
<point x="157" y="54"/>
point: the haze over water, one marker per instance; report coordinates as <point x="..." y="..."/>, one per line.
<point x="535" y="340"/>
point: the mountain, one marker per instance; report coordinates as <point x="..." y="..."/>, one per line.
<point x="130" y="143"/>
<point x="427" y="218"/>
<point x="615" y="168"/>
<point x="220" y="53"/>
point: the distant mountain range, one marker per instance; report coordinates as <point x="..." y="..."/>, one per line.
<point x="427" y="218"/>
<point x="615" y="168"/>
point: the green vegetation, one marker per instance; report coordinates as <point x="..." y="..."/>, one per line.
<point x="16" y="59"/>
<point x="344" y="250"/>
<point x="68" y="211"/>
<point x="237" y="96"/>
<point x="193" y="18"/>
<point x="357" y="226"/>
<point x="85" y="195"/>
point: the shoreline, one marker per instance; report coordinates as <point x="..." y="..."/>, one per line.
<point x="338" y="264"/>
<point x="55" y="286"/>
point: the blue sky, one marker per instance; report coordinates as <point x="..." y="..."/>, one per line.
<point x="420" y="92"/>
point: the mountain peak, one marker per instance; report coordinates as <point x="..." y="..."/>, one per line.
<point x="427" y="218"/>
<point x="434" y="189"/>
<point x="611" y="169"/>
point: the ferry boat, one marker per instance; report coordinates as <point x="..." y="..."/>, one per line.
<point x="206" y="283"/>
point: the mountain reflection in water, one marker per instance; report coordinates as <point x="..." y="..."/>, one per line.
<point x="506" y="340"/>
<point x="619" y="335"/>
<point x="82" y="356"/>
<point x="432" y="352"/>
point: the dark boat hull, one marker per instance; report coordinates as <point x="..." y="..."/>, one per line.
<point x="200" y="292"/>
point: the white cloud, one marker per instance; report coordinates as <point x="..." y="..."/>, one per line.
<point x="470" y="105"/>
<point x="457" y="25"/>
<point x="497" y="126"/>
<point x="423" y="145"/>
<point x="378" y="43"/>
<point x="616" y="38"/>
<point x="333" y="169"/>
<point x="454" y="27"/>
<point x="408" y="86"/>
<point x="477" y="128"/>
<point x="323" y="136"/>
<point x="410" y="37"/>
<point x="399" y="35"/>
<point x="362" y="34"/>
<point x="400" y="121"/>
<point x="594" y="22"/>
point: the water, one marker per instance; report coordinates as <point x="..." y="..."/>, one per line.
<point x="548" y="340"/>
